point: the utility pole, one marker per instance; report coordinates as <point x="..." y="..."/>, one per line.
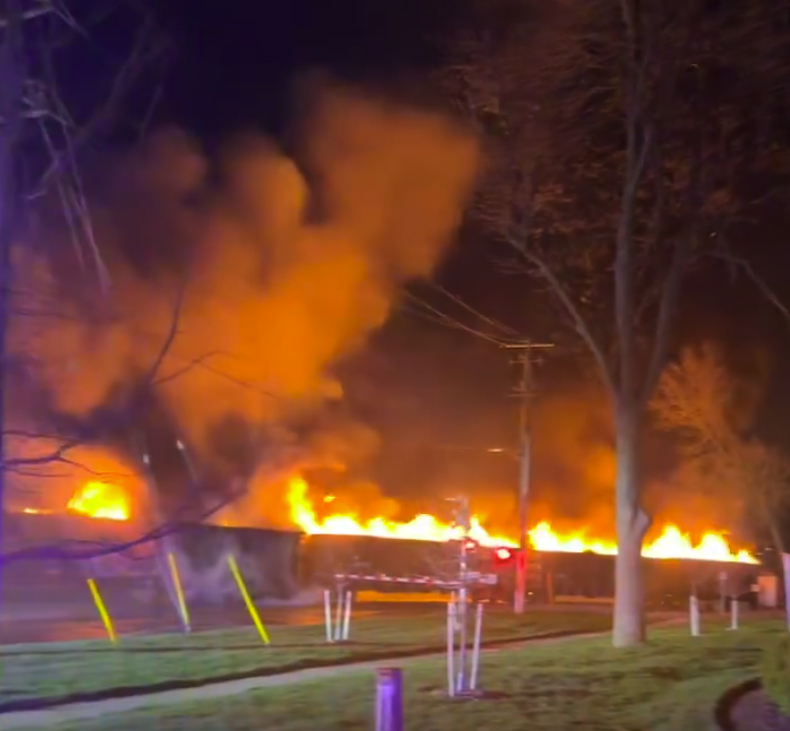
<point x="525" y="392"/>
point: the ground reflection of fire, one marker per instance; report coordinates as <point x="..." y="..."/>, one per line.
<point x="100" y="500"/>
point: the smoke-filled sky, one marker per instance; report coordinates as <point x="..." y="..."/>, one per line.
<point x="270" y="268"/>
<point x="290" y="249"/>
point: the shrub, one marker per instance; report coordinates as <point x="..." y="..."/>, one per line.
<point x="776" y="672"/>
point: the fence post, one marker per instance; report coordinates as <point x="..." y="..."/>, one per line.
<point x="389" y="699"/>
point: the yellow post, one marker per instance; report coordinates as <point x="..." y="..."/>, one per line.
<point x="182" y="602"/>
<point x="105" y="615"/>
<point x="256" y="618"/>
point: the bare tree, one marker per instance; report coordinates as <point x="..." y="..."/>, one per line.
<point x="622" y="136"/>
<point x="712" y="413"/>
<point x="43" y="127"/>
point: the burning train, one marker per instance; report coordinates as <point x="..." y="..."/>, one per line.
<point x="421" y="555"/>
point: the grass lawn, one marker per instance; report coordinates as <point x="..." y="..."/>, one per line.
<point x="68" y="670"/>
<point x="669" y="684"/>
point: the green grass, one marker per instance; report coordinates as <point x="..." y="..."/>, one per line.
<point x="775" y="673"/>
<point x="671" y="684"/>
<point x="64" y="670"/>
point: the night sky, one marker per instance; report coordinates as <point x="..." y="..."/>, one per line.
<point x="246" y="76"/>
<point x="437" y="396"/>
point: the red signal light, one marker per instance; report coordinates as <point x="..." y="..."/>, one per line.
<point x="503" y="554"/>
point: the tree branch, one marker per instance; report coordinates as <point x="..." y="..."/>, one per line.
<point x="670" y="297"/>
<point x="756" y="279"/>
<point x="581" y="326"/>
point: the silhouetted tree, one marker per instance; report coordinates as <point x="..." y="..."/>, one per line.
<point x="626" y="138"/>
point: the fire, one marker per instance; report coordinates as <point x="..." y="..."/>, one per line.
<point x="672" y="543"/>
<point x="100" y="500"/>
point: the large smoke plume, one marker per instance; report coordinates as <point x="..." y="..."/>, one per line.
<point x="274" y="265"/>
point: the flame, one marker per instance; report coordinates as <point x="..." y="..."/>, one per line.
<point x="36" y="511"/>
<point x="100" y="500"/>
<point x="671" y="544"/>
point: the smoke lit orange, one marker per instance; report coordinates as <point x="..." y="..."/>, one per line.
<point x="672" y="543"/>
<point x="100" y="500"/>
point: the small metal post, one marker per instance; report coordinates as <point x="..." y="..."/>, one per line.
<point x="339" y="615"/>
<point x="328" y="614"/>
<point x="734" y="609"/>
<point x="389" y="699"/>
<point x="347" y="615"/>
<point x="476" y="647"/>
<point x="694" y="615"/>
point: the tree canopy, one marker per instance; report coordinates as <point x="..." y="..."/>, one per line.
<point x="712" y="412"/>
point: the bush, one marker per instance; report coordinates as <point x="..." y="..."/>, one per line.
<point x="776" y="672"/>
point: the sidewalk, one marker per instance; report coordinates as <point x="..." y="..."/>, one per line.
<point x="51" y="717"/>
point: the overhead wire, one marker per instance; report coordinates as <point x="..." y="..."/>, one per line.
<point x="441" y="318"/>
<point x="432" y="314"/>
<point x="496" y="324"/>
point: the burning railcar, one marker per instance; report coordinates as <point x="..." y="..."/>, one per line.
<point x="552" y="575"/>
<point x="281" y="565"/>
<point x="49" y="557"/>
<point x="668" y="582"/>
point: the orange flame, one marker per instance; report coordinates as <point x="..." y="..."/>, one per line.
<point x="100" y="500"/>
<point x="672" y="543"/>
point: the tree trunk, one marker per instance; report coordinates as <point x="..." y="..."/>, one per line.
<point x="12" y="77"/>
<point x="632" y="525"/>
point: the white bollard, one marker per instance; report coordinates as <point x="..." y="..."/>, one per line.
<point x="734" y="610"/>
<point x="347" y="616"/>
<point x="451" y="647"/>
<point x="694" y="616"/>
<point x="328" y="614"/>
<point x="476" y="647"/>
<point x="461" y="619"/>
<point x="339" y="617"/>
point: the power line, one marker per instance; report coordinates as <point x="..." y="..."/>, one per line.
<point x="496" y="324"/>
<point x="442" y="318"/>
